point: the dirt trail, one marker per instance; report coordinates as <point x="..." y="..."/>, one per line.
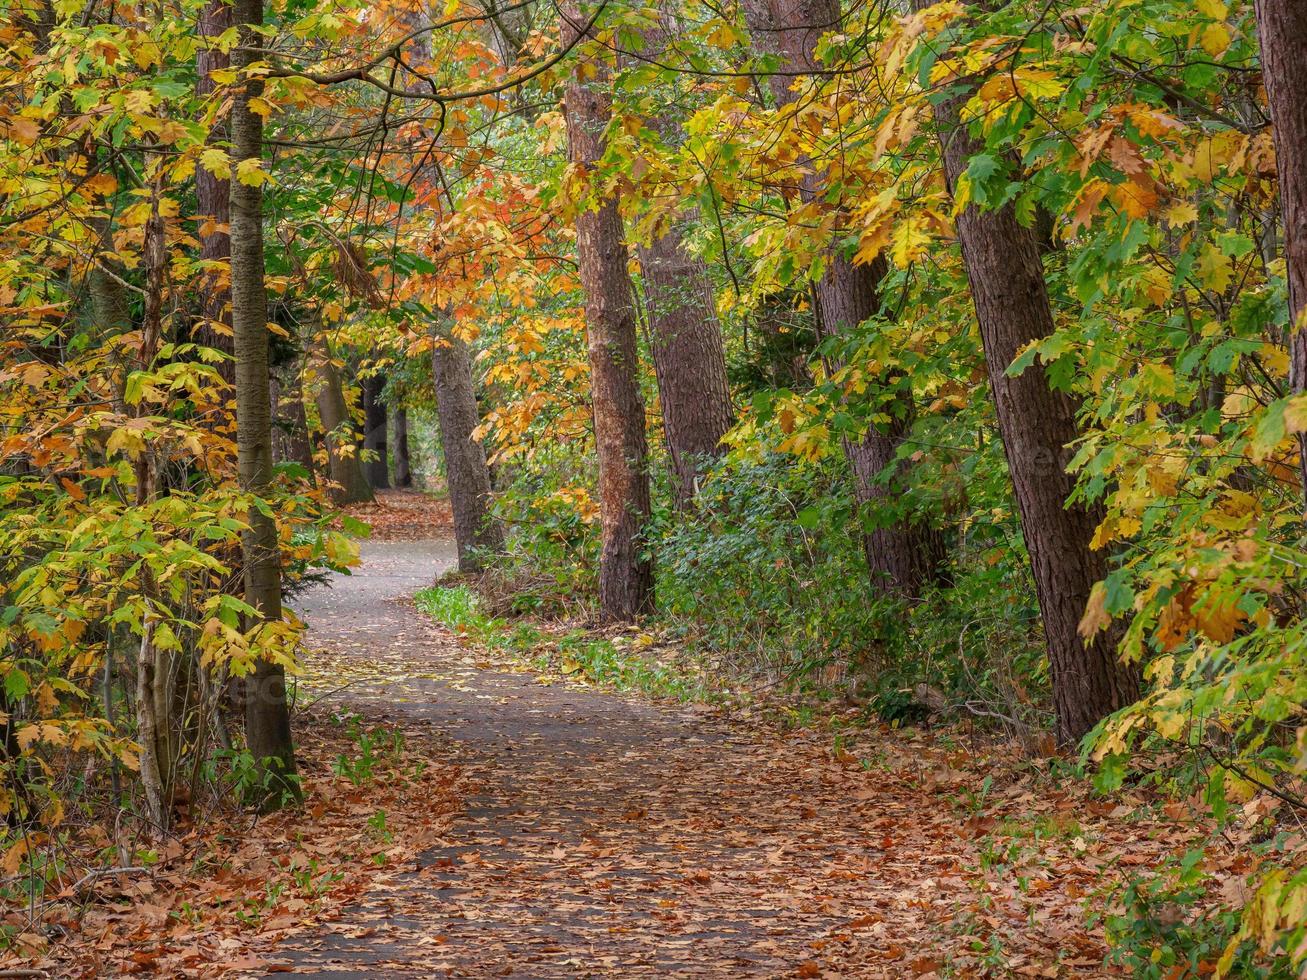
<point x="608" y="836"/>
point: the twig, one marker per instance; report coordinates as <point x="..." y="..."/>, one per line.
<point x="76" y="887"/>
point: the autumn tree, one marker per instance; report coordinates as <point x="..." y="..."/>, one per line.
<point x="377" y="460"/>
<point x="403" y="461"/>
<point x="1037" y="422"/>
<point x="625" y="567"/>
<point x="467" y="475"/>
<point x="1282" y="28"/>
<point x="213" y="196"/>
<point x="267" y="715"/>
<point x="903" y="556"/>
<point x="685" y="337"/>
<point x="348" y="483"/>
<point x="477" y="532"/>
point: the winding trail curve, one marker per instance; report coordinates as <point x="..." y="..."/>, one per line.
<point x="610" y="836"/>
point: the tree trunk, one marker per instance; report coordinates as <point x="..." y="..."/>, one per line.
<point x="466" y="474"/>
<point x="154" y="716"/>
<point x="689" y="359"/>
<point x="290" y="433"/>
<point x="1282" y="27"/>
<point x="267" y="716"/>
<point x="109" y="303"/>
<point x="403" y="467"/>
<point x="349" y="484"/>
<point x="905" y="557"/>
<point x="299" y="447"/>
<point x="625" y="570"/>
<point x="377" y="467"/>
<point x="213" y="202"/>
<point x="1037" y="424"/>
<point x="685" y="335"/>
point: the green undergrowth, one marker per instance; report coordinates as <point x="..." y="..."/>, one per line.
<point x="622" y="663"/>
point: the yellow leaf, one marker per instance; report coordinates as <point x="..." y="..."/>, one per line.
<point x="1215" y="269"/>
<point x="251" y="173"/>
<point x="216" y="162"/>
<point x="262" y="107"/>
<point x="908" y="242"/>
<point x="1295" y="415"/>
<point x="1184" y="213"/>
<point x="1215" y="39"/>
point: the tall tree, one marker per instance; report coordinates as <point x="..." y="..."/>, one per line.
<point x="625" y="568"/>
<point x="688" y="355"/>
<point x="213" y="198"/>
<point x="1282" y="30"/>
<point x="467" y="474"/>
<point x="902" y="557"/>
<point x="267" y="715"/>
<point x="685" y="335"/>
<point x="1037" y="423"/>
<point x="377" y="467"/>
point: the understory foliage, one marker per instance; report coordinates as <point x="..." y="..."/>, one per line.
<point x="419" y="199"/>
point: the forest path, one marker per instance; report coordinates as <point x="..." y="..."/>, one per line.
<point x="605" y="835"/>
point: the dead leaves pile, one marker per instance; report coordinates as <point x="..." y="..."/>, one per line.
<point x="404" y="515"/>
<point x="217" y="897"/>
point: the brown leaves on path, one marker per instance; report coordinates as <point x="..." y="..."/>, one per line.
<point x="600" y="834"/>
<point x="608" y="836"/>
<point x="404" y="515"/>
<point x="216" y="899"/>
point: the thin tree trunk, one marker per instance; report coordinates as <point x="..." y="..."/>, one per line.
<point x="903" y="557"/>
<point x="625" y="569"/>
<point x="213" y="202"/>
<point x="153" y="673"/>
<point x="267" y="715"/>
<point x="1037" y="424"/>
<point x="466" y="474"/>
<point x="377" y="468"/>
<point x="403" y="465"/>
<point x="349" y="485"/>
<point x="1282" y="28"/>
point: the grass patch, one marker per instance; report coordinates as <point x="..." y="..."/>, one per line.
<point x="617" y="663"/>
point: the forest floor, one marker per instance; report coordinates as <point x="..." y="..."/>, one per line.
<point x="467" y="815"/>
<point x="604" y="834"/>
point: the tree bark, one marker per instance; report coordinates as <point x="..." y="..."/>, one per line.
<point x="625" y="569"/>
<point x="467" y="476"/>
<point x="685" y="337"/>
<point x="377" y="468"/>
<point x="298" y="445"/>
<point x="1037" y="424"/>
<point x="902" y="558"/>
<point x="403" y="464"/>
<point x="213" y="203"/>
<point x="267" y="715"/>
<point x="349" y="484"/>
<point x="154" y="701"/>
<point x="689" y="358"/>
<point x="109" y="303"/>
<point x="1282" y="29"/>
